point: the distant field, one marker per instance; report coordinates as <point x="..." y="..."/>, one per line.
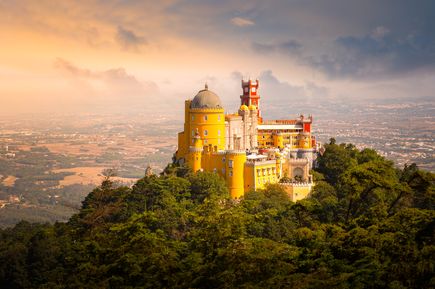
<point x="9" y="181"/>
<point x="67" y="148"/>
<point x="129" y="148"/>
<point x="87" y="175"/>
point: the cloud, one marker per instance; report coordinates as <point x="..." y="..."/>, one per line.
<point x="236" y="75"/>
<point x="263" y="48"/>
<point x="113" y="75"/>
<point x="288" y="47"/>
<point x="381" y="53"/>
<point x="113" y="86"/>
<point x="378" y="54"/>
<point x="128" y="39"/>
<point x="67" y="67"/>
<point x="279" y="98"/>
<point x="379" y="32"/>
<point x="242" y="22"/>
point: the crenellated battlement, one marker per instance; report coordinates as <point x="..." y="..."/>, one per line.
<point x="200" y="109"/>
<point x="297" y="184"/>
<point x="195" y="149"/>
<point x="236" y="152"/>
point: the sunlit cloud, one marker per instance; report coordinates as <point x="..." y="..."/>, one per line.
<point x="242" y="22"/>
<point x="114" y="82"/>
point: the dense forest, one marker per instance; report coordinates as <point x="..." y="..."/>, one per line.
<point x="367" y="224"/>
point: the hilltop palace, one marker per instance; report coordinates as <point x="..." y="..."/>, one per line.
<point x="246" y="150"/>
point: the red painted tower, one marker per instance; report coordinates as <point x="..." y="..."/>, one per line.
<point x="250" y="95"/>
<point x="306" y="122"/>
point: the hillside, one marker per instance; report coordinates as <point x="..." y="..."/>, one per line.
<point x="366" y="225"/>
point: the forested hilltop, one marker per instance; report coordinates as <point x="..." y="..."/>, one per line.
<point x="366" y="225"/>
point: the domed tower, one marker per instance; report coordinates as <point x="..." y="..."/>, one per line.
<point x="207" y="118"/>
<point x="204" y="115"/>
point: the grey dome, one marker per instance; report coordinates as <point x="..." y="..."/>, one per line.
<point x="206" y="99"/>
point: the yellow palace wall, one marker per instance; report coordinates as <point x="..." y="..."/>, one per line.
<point x="228" y="164"/>
<point x="297" y="192"/>
<point x="209" y="123"/>
<point x="258" y="174"/>
<point x="294" y="140"/>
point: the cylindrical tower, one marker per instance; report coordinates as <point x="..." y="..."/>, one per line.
<point x="235" y="168"/>
<point x="195" y="154"/>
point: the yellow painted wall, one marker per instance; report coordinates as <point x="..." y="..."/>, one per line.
<point x="210" y="124"/>
<point x="182" y="146"/>
<point x="294" y="140"/>
<point x="297" y="192"/>
<point x="213" y="161"/>
<point x="265" y="139"/>
<point x="278" y="141"/>
<point x="196" y="151"/>
<point x="235" y="165"/>
<point x="264" y="173"/>
<point x="249" y="178"/>
<point x="305" y="141"/>
<point x="186" y="141"/>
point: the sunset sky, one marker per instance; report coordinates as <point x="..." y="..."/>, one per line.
<point x="84" y="56"/>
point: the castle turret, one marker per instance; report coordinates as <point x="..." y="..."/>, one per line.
<point x="235" y="164"/>
<point x="195" y="153"/>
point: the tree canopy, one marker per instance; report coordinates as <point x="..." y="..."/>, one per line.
<point x="367" y="224"/>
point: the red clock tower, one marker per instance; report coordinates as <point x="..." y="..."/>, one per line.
<point x="250" y="95"/>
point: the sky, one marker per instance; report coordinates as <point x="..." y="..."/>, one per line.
<point x="126" y="56"/>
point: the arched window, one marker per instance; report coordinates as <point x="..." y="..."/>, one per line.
<point x="298" y="174"/>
